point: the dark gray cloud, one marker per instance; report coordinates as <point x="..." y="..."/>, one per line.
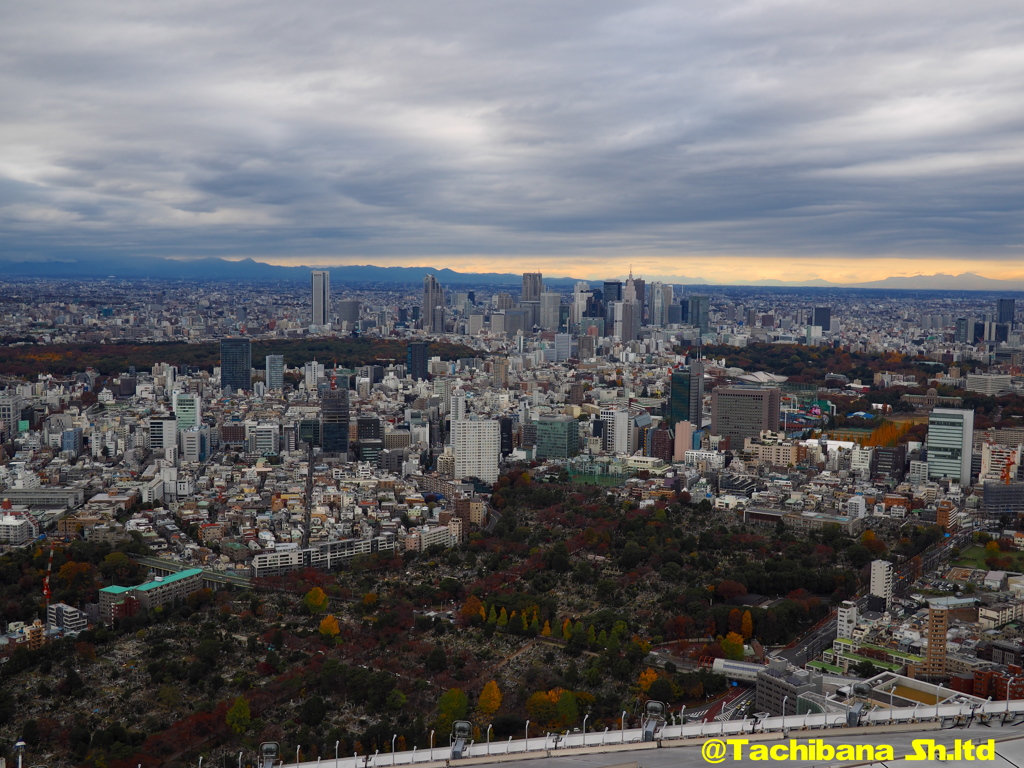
<point x="312" y="130"/>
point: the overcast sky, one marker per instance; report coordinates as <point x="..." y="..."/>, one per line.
<point x="764" y="139"/>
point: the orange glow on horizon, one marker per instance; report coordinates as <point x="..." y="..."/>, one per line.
<point x="717" y="269"/>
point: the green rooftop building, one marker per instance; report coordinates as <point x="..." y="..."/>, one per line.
<point x="117" y="602"/>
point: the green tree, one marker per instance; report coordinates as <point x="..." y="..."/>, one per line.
<point x="567" y="708"/>
<point x="313" y="711"/>
<point x="541" y="708"/>
<point x="239" y="717"/>
<point x="395" y="700"/>
<point x="437" y="660"/>
<point x="453" y="705"/>
<point x="117" y="567"/>
<point x="661" y="690"/>
<point x="733" y="646"/>
<point x="864" y="669"/>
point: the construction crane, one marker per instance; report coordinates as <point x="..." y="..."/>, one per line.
<point x="1008" y="468"/>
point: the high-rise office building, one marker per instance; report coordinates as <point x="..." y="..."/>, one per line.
<point x="348" y="312"/>
<point x="549" y="304"/>
<point x="1006" y="311"/>
<point x="742" y="412"/>
<point x="557" y="437"/>
<point x="533" y="285"/>
<point x="188" y="409"/>
<point x="661" y="300"/>
<point x="457" y="405"/>
<point x="274" y="373"/>
<point x="881" y="584"/>
<point x="416" y="361"/>
<point x="640" y="291"/>
<point x="369" y="428"/>
<point x="950" y="443"/>
<point x="683" y="441"/>
<point x="934" y="667"/>
<point x="631" y="291"/>
<point x="311" y="431"/>
<point x="516" y="320"/>
<point x="499" y="372"/>
<point x="626" y="317"/>
<point x="699" y="307"/>
<point x="321" y="297"/>
<point x="334" y="419"/>
<point x="687" y="394"/>
<point x="582" y="303"/>
<point x="612" y="291"/>
<point x="71" y="441"/>
<point x="163" y="432"/>
<point x="563" y="347"/>
<point x="476" y="444"/>
<point x="313" y="372"/>
<point x="433" y="299"/>
<point x="10" y="413"/>
<point x="822" y="317"/>
<point x="236" y="364"/>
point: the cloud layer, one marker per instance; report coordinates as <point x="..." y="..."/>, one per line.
<point x="576" y="134"/>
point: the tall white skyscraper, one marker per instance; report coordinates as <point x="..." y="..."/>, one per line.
<point x="661" y="300"/>
<point x="313" y="372"/>
<point x="321" y="297"/>
<point x="458" y="405"/>
<point x="881" y="580"/>
<point x="580" y="296"/>
<point x="950" y="443"/>
<point x="616" y="429"/>
<point x="476" y="444"/>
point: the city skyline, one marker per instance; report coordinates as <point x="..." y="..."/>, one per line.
<point x="747" y="139"/>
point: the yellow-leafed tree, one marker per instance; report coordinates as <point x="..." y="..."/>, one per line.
<point x="490" y="700"/>
<point x="747" y="627"/>
<point x="329" y="626"/>
<point x="647" y="677"/>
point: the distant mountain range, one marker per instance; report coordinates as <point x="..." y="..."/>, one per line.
<point x="249" y="269"/>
